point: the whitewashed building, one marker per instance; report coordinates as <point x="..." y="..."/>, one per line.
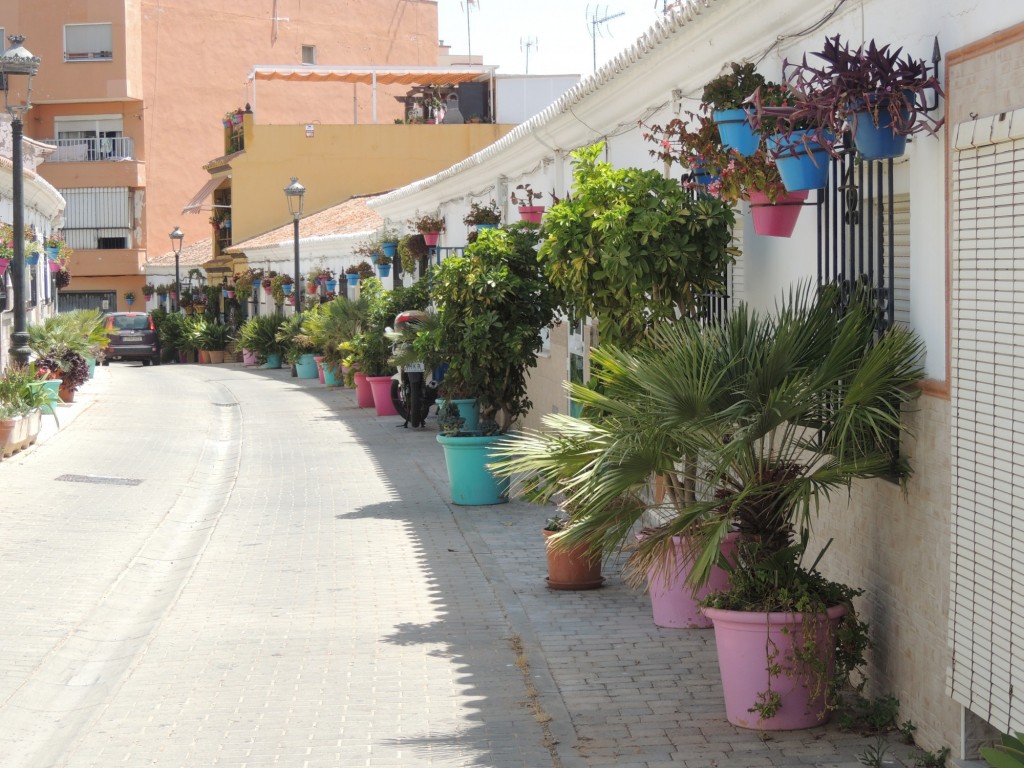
<point x="943" y="566"/>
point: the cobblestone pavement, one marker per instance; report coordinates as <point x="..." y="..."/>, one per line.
<point x="288" y="585"/>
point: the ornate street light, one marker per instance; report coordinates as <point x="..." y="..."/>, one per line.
<point x="295" y="192"/>
<point x="17" y="68"/>
<point x="177" y="236"/>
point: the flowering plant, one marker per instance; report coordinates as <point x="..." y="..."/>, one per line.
<point x="54" y="241"/>
<point x="428" y="223"/>
<point x="7" y="241"/>
<point x="528" y="196"/>
<point x="148" y="290"/>
<point x="480" y="213"/>
<point x="696" y="144"/>
<point x="129" y="296"/>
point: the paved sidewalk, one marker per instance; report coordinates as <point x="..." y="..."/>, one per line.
<point x="290" y="586"/>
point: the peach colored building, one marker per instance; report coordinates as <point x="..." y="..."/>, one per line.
<point x="132" y="93"/>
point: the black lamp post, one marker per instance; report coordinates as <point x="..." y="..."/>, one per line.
<point x="177" y="236"/>
<point x="295" y="192"/>
<point x="17" y="68"/>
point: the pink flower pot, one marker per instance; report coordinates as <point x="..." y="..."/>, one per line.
<point x="319" y="367"/>
<point x="364" y="395"/>
<point x="776" y="219"/>
<point x="743" y="639"/>
<point x="249" y="358"/>
<point x="531" y="213"/>
<point x="674" y="604"/>
<point x="381" y="387"/>
<point x="431" y="238"/>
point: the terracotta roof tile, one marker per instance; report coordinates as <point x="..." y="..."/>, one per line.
<point x="347" y="218"/>
<point x="192" y="255"/>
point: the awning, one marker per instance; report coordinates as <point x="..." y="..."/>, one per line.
<point x="371" y="75"/>
<point x="374" y="76"/>
<point x="196" y="203"/>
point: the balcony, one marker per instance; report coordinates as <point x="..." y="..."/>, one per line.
<point x="103" y="162"/>
<point x="117" y="149"/>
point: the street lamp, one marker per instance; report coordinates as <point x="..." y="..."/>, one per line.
<point x="294" y="192"/>
<point x="17" y="68"/>
<point x="177" y="236"/>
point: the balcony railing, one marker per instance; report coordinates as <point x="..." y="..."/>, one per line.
<point x="91" y="150"/>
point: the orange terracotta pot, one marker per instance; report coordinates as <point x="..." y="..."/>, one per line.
<point x="571" y="569"/>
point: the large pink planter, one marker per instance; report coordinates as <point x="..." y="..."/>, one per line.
<point x="249" y="358"/>
<point x="673" y="602"/>
<point x="744" y="639"/>
<point x="776" y="219"/>
<point x="364" y="395"/>
<point x="381" y="386"/>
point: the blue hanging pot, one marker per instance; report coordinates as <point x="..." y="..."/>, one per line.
<point x="801" y="159"/>
<point x="736" y="132"/>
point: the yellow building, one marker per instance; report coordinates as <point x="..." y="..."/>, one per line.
<point x="132" y="94"/>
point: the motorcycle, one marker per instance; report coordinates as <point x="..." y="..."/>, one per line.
<point x="413" y="389"/>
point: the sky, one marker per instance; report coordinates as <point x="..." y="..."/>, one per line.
<point x="500" y="29"/>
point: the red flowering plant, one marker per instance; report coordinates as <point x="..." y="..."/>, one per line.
<point x="696" y="144"/>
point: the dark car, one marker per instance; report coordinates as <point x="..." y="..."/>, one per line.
<point x="132" y="337"/>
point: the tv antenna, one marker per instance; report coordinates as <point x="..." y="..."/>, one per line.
<point x="469" y="36"/>
<point x="595" y="20"/>
<point x="525" y="44"/>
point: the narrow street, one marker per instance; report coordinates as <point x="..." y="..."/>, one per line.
<point x="213" y="565"/>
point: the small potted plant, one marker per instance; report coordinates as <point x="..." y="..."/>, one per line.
<point x="524" y="200"/>
<point x="383" y="264"/>
<point x="430" y="226"/>
<point x="388" y="240"/>
<point x="281" y="286"/>
<point x="129" y="297"/>
<point x="352" y="274"/>
<point x="483" y="215"/>
<point x="724" y="96"/>
<point x="412" y="251"/>
<point x="148" y="290"/>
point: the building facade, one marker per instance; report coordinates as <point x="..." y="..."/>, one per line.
<point x="132" y="94"/>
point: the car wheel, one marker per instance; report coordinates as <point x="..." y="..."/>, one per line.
<point x="106" y="362"/>
<point x="146" y="363"/>
<point x="156" y="361"/>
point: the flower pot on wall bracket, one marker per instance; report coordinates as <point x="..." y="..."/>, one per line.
<point x="736" y="132"/>
<point x="4" y="264"/>
<point x="431" y="238"/>
<point x="776" y="219"/>
<point x="54" y="266"/>
<point x="531" y="213"/>
<point x="802" y="161"/>
<point x="353" y="279"/>
<point x="389" y="249"/>
<point x="876" y="142"/>
<point x="332" y="285"/>
<point x="31" y="259"/>
<point x="383" y="270"/>
<point x="287" y="289"/>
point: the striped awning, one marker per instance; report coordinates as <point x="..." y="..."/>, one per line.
<point x="375" y="75"/>
<point x="196" y="203"/>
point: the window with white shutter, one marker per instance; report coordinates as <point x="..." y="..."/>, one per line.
<point x="986" y="611"/>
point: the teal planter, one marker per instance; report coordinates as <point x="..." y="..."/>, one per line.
<point x="736" y="132"/>
<point x="389" y="249"/>
<point x="469" y="410"/>
<point x="31" y="259"/>
<point x="383" y="270"/>
<point x="305" y="368"/>
<point x="332" y="285"/>
<point x="274" y="361"/>
<point x="472" y="484"/>
<point x="352" y="279"/>
<point x="332" y="376"/>
<point x="52" y="389"/>
<point x="92" y="366"/>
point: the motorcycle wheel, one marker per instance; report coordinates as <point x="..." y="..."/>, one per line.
<point x="398" y="399"/>
<point x="417" y="413"/>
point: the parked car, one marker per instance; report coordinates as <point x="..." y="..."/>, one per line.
<point x="133" y="336"/>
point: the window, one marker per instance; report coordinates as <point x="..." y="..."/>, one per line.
<point x="83" y="42"/>
<point x="98" y="137"/>
<point x="309" y="54"/>
<point x="98" y="218"/>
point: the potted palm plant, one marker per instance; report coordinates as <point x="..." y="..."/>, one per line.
<point x="214" y="339"/>
<point x="750" y="423"/>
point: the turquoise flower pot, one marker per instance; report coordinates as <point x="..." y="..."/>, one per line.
<point x="736" y="132"/>
<point x="352" y="279"/>
<point x="389" y="249"/>
<point x="332" y="376"/>
<point x="274" y="361"/>
<point x="802" y="164"/>
<point x="305" y="368"/>
<point x="472" y="484"/>
<point x="469" y="411"/>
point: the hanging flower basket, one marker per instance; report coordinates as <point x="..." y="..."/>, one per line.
<point x="735" y="130"/>
<point x="776" y="219"/>
<point x="802" y="160"/>
<point x="431" y="238"/>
